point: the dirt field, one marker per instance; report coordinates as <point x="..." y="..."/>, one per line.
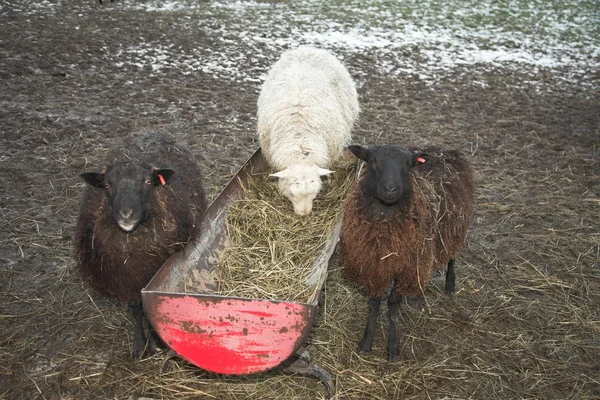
<point x="524" y="323"/>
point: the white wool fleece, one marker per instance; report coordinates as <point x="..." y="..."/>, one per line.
<point x="306" y="110"/>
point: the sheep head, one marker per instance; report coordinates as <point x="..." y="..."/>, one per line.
<point x="128" y="188"/>
<point x="388" y="171"/>
<point x="301" y="183"/>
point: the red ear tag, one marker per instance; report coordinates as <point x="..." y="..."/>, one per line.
<point x="419" y="159"/>
<point x="162" y="180"/>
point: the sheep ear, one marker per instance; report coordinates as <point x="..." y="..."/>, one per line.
<point x="360" y="152"/>
<point x="276" y="176"/>
<point x="95" y="179"/>
<point x="162" y="176"/>
<point x="324" y="172"/>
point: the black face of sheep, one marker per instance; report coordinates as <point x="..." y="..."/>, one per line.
<point x="389" y="169"/>
<point x="128" y="187"/>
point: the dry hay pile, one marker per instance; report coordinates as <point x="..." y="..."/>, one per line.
<point x="272" y="250"/>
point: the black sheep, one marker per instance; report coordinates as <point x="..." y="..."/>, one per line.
<point x="133" y="216"/>
<point x="407" y="216"/>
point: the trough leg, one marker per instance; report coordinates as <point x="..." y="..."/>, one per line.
<point x="301" y="365"/>
<point x="450" y="278"/>
<point x="304" y="367"/>
<point x="367" y="341"/>
<point x="139" y="337"/>
<point x="394" y="305"/>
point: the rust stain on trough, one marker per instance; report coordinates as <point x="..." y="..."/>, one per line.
<point x="191" y="327"/>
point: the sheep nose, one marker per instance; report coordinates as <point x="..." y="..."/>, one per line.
<point x="126" y="214"/>
<point x="390" y="188"/>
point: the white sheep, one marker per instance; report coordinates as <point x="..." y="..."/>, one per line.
<point x="306" y="110"/>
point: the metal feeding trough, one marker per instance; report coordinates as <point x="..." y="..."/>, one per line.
<point x="224" y="334"/>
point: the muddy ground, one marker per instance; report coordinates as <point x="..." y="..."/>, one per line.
<point x="524" y="322"/>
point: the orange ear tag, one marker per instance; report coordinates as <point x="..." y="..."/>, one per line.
<point x="419" y="159"/>
<point x="162" y="180"/>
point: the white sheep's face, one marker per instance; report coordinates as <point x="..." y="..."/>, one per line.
<point x="301" y="184"/>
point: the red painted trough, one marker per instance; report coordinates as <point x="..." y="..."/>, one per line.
<point x="223" y="334"/>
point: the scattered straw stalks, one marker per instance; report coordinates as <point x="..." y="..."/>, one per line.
<point x="272" y="250"/>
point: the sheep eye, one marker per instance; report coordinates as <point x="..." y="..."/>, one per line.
<point x="148" y="182"/>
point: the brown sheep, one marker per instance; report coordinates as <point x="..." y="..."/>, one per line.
<point x="405" y="218"/>
<point x="134" y="215"/>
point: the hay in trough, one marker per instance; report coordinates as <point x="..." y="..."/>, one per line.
<point x="272" y="250"/>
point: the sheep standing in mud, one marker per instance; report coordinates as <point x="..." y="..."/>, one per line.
<point x="135" y="214"/>
<point x="306" y="110"/>
<point x="407" y="216"/>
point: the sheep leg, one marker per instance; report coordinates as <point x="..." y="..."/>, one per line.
<point x="393" y="346"/>
<point x="154" y="341"/>
<point x="367" y="341"/>
<point x="450" y="278"/>
<point x="139" y="337"/>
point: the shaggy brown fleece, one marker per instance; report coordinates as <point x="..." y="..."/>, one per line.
<point x="404" y="243"/>
<point x="118" y="264"/>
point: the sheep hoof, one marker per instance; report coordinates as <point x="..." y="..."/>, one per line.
<point x="393" y="351"/>
<point x="155" y="343"/>
<point x="450" y="289"/>
<point x="364" y="347"/>
<point x="138" y="351"/>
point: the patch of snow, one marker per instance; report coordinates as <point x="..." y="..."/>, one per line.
<point x="173" y="5"/>
<point x="429" y="39"/>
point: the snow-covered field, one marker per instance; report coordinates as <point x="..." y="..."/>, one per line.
<point x="429" y="39"/>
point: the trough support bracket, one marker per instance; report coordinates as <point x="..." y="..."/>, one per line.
<point x="303" y="366"/>
<point x="169" y="356"/>
<point x="299" y="364"/>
